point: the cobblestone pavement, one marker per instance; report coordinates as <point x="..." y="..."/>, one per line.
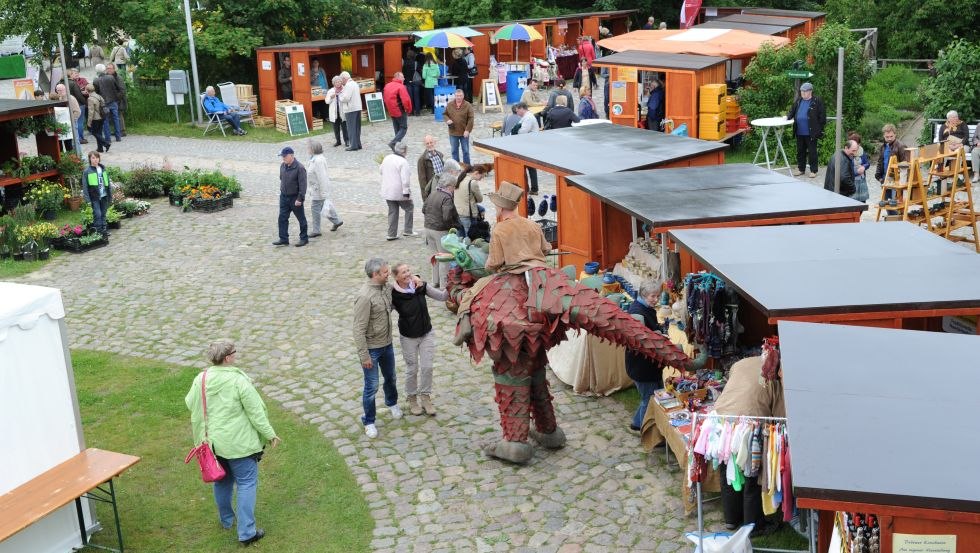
<point x="171" y="282"/>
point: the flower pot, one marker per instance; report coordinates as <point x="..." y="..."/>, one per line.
<point x="18" y="256"/>
<point x="116" y="225"/>
<point x="44" y="254"/>
<point x="50" y="214"/>
<point x="30" y="256"/>
<point x="74" y="203"/>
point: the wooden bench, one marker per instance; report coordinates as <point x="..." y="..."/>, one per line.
<point x="72" y="480"/>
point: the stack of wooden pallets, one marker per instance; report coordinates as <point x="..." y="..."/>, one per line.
<point x="317" y="124"/>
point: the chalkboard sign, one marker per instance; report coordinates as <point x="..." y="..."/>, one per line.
<point x="491" y="97"/>
<point x="296" y="120"/>
<point x="375" y="107"/>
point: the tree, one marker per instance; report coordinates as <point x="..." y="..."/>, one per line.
<point x="41" y="21"/>
<point x="956" y="85"/>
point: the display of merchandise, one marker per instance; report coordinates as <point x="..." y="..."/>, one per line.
<point x="750" y="448"/>
<point x="859" y="532"/>
<point x="642" y="262"/>
<point x="712" y="314"/>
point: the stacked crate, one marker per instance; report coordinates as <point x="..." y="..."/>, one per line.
<point x="317" y="124"/>
<point x="711" y="119"/>
<point x="246" y="97"/>
<point x="281" y="124"/>
<point x="732" y="111"/>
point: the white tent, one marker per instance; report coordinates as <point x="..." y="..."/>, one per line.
<point x="40" y="426"/>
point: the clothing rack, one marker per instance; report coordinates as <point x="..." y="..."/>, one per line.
<point x="700" y="502"/>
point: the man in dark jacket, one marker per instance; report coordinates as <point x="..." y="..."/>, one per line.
<point x="809" y="118"/>
<point x="107" y="86"/>
<point x="399" y="105"/>
<point x="842" y="162"/>
<point x="412" y="69"/>
<point x="429" y="166"/>
<point x="646" y="373"/>
<point x="292" y="192"/>
<point x="561" y="116"/>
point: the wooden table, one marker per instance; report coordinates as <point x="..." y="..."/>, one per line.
<point x="73" y="479"/>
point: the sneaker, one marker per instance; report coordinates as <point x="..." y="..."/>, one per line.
<point x="336" y="226"/>
<point x="797" y="172"/>
<point x="371" y="431"/>
<point x="396" y="412"/>
<point x="410" y="234"/>
<point x="812" y="175"/>
<point x="390" y="238"/>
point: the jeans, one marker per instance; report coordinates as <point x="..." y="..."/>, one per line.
<point x="467" y="221"/>
<point x="244" y="473"/>
<point x="354" y="129"/>
<point x="409" y="208"/>
<point x="455" y="142"/>
<point x="383" y="358"/>
<point x="400" y="124"/>
<point x="415" y="93"/>
<point x="99" y="207"/>
<point x="80" y="124"/>
<point x="532" y="177"/>
<point x="646" y="390"/>
<point x="96" y="130"/>
<point x="340" y="126"/>
<point x="233" y="119"/>
<point x="419" y="354"/>
<point x="806" y="151"/>
<point x="287" y="205"/>
<point x="113" y="108"/>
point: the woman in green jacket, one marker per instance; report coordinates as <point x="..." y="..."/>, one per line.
<point x="430" y="78"/>
<point x="238" y="429"/>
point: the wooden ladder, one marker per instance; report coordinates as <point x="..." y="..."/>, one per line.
<point x="956" y="191"/>
<point x="910" y="201"/>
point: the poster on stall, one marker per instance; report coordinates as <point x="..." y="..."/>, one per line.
<point x="617" y="92"/>
<point x="923" y="543"/>
<point x="24" y="89"/>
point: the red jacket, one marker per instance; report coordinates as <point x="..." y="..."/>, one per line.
<point x="393" y="92"/>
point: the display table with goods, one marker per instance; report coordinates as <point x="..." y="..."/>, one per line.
<point x="22" y="119"/>
<point x="883" y="475"/>
<point x="587" y="229"/>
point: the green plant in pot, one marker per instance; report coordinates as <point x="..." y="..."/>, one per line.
<point x="112" y="217"/>
<point x="47" y="197"/>
<point x="8" y="236"/>
<point x="70" y="166"/>
<point x="36" y="239"/>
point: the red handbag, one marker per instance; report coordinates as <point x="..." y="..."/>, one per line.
<point x="211" y="469"/>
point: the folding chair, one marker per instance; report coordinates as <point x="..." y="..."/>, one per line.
<point x="229" y="95"/>
<point x="214" y="119"/>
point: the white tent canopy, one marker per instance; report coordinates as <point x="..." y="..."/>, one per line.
<point x="464" y="32"/>
<point x="40" y="426"/>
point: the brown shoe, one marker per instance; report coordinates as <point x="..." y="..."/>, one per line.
<point x="413" y="405"/>
<point x="427" y="405"/>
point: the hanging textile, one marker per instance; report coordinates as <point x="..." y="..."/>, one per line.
<point x="712" y="314"/>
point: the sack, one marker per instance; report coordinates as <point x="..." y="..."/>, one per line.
<point x="211" y="469"/>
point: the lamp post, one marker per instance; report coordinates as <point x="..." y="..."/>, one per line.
<point x="190" y="40"/>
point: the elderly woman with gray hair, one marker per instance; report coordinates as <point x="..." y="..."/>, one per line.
<point x="226" y="408"/>
<point x="440" y="215"/>
<point x="316" y="186"/>
<point x="646" y="373"/>
<point x="336" y="111"/>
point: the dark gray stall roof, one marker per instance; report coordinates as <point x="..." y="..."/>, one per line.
<point x="760" y="19"/>
<point x="783" y="13"/>
<point x="330" y="44"/>
<point x="16" y="107"/>
<point x="770" y="30"/>
<point x="867" y="428"/>
<point x="601" y="148"/>
<point x="667" y="198"/>
<point x="795" y="270"/>
<point x="658" y="60"/>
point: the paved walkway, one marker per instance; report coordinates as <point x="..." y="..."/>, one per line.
<point x="170" y="282"/>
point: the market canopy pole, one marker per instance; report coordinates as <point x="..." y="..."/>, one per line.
<point x="190" y="40"/>
<point x="73" y="125"/>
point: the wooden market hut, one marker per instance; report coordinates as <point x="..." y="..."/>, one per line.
<point x="365" y="62"/>
<point x="815" y="19"/>
<point x="715" y="196"/>
<point x="797" y="25"/>
<point x="856" y="457"/>
<point x="682" y="75"/>
<point x="586" y="229"/>
<point x="13" y="110"/>
<point x="889" y="275"/>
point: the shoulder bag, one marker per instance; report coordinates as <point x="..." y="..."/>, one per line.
<point x="211" y="470"/>
<point x="479" y="227"/>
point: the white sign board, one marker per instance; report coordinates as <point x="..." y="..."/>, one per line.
<point x="266" y="65"/>
<point x="173" y="99"/>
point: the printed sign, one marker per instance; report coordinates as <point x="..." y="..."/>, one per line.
<point x="490" y="97"/>
<point x="626" y="74"/>
<point x="923" y="543"/>
<point x="24" y="89"/>
<point x="617" y="92"/>
<point x="375" y="107"/>
<point x="266" y="65"/>
<point x="296" y="120"/>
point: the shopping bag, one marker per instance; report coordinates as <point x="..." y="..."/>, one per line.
<point x="860" y="189"/>
<point x="724" y="542"/>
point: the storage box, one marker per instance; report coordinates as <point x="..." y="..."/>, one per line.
<point x="732" y="108"/>
<point x="711" y="97"/>
<point x="711" y="126"/>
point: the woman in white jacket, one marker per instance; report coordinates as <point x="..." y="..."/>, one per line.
<point x="316" y="189"/>
<point x="336" y="112"/>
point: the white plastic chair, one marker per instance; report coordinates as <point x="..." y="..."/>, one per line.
<point x="214" y="119"/>
<point x="229" y="95"/>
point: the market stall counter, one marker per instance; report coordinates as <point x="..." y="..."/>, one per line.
<point x="586" y="230"/>
<point x="874" y="449"/>
<point x="892" y="275"/>
<point x="731" y="195"/>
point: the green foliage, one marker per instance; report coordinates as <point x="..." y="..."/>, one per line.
<point x="915" y="29"/>
<point x="46" y="196"/>
<point x="144" y="181"/>
<point x="768" y="92"/>
<point x="112" y="214"/>
<point x="896" y="86"/>
<point x="956" y="85"/>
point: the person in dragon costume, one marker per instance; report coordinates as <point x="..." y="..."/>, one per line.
<point x="522" y="309"/>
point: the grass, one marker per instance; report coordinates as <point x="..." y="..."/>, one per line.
<point x="187" y="130"/>
<point x="308" y="500"/>
<point x="12" y="269"/>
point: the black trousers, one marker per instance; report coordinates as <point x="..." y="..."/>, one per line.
<point x="744" y="507"/>
<point x="340" y="126"/>
<point x="287" y="205"/>
<point x="806" y="152"/>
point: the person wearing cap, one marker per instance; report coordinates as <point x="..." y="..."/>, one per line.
<point x="809" y="118"/>
<point x="292" y="194"/>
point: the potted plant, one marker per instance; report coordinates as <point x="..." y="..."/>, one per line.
<point x="113" y="218"/>
<point x="8" y="236"/>
<point x="71" y="167"/>
<point x="47" y="196"/>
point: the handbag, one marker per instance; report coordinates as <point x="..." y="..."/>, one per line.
<point x="211" y="469"/>
<point x="479" y="227"/>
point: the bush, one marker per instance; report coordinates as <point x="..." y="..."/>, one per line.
<point x="144" y="181"/>
<point x="896" y="86"/>
<point x="956" y="85"/>
<point x="149" y="104"/>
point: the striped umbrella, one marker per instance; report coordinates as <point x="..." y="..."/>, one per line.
<point x="518" y="31"/>
<point x="443" y="39"/>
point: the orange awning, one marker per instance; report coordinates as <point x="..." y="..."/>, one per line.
<point x="727" y="43"/>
